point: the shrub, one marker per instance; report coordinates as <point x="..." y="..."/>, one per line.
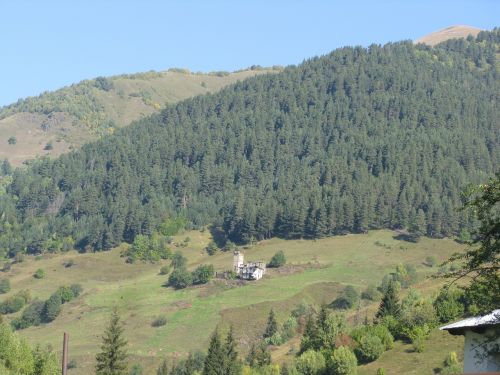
<point x="430" y="261"/>
<point x="136" y="369"/>
<point x="378" y="330"/>
<point x="12" y="140"/>
<point x="370" y="348"/>
<point x="48" y="146"/>
<point x="343" y="362"/>
<point x="449" y="305"/>
<point x="66" y="294"/>
<point x="371" y="293"/>
<point x="32" y="316"/>
<point x="39" y="274"/>
<point x="278" y="260"/>
<point x="178" y="260"/>
<point x="451" y="365"/>
<point x="69" y="263"/>
<point x="52" y="308"/>
<point x="212" y="248"/>
<point x="12" y="305"/>
<point x="4" y="286"/>
<point x="381" y="371"/>
<point x="165" y="270"/>
<point x="159" y="321"/>
<point x="76" y="289"/>
<point x="347" y="299"/>
<point x="72" y="364"/>
<point x="310" y="363"/>
<point x="180" y="278"/>
<point x="203" y="274"/>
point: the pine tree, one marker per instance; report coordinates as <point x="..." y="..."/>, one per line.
<point x="390" y="302"/>
<point x="232" y="363"/>
<point x="112" y="360"/>
<point x="272" y="325"/>
<point x="216" y="357"/>
<point x="163" y="368"/>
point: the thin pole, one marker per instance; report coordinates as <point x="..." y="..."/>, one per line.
<point x="65" y="354"/>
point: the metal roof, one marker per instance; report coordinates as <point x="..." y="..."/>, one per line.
<point x="492" y="318"/>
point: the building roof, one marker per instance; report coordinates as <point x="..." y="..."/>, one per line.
<point x="490" y="319"/>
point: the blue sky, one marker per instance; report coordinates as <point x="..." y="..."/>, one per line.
<point x="49" y="44"/>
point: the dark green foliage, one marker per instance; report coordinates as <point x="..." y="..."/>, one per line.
<point x="449" y="304"/>
<point x="4" y="286"/>
<point x="178" y="260"/>
<point x="49" y="146"/>
<point x="370" y="348"/>
<point x="212" y="248"/>
<point x="112" y="359"/>
<point x="31" y="316"/>
<point x="39" y="274"/>
<point x="136" y="369"/>
<point x="103" y="83"/>
<point x="321" y="333"/>
<point x="12" y="140"/>
<point x="77" y="289"/>
<point x="180" y="278"/>
<point x="390" y="303"/>
<point x="232" y="363"/>
<point x="15" y="303"/>
<point x="52" y="308"/>
<point x="272" y="325"/>
<point x="215" y="362"/>
<point x="277" y="260"/>
<point x="6" y="168"/>
<point x="347" y="299"/>
<point x="159" y="321"/>
<point x="371" y="293"/>
<point x="203" y="274"/>
<point x="481" y="262"/>
<point x="354" y="140"/>
<point x="163" y="368"/>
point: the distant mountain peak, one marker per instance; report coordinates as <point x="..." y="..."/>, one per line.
<point x="451" y="32"/>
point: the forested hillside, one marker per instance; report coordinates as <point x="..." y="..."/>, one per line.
<point x="55" y="122"/>
<point x="378" y="137"/>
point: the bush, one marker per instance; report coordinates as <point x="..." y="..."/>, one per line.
<point x="12" y="140"/>
<point x="48" y="146"/>
<point x="66" y="294"/>
<point x="347" y="299"/>
<point x="178" y="260"/>
<point x="371" y="293"/>
<point x="278" y="260"/>
<point x="378" y="330"/>
<point x="76" y="289"/>
<point x="370" y="348"/>
<point x="165" y="270"/>
<point x="451" y="365"/>
<point x="203" y="274"/>
<point x="69" y="263"/>
<point x="39" y="274"/>
<point x="52" y="308"/>
<point x="4" y="286"/>
<point x="159" y="321"/>
<point x="343" y="362"/>
<point x="310" y="363"/>
<point x="12" y="305"/>
<point x="449" y="305"/>
<point x="32" y="316"/>
<point x="212" y="248"/>
<point x="72" y="364"/>
<point x="430" y="261"/>
<point x="180" y="278"/>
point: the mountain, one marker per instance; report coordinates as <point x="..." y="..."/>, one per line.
<point x="362" y="138"/>
<point x="452" y="32"/>
<point x="56" y="122"/>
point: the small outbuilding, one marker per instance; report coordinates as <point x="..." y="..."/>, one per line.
<point x="482" y="342"/>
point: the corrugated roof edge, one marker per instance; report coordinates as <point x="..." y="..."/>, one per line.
<point x="492" y="318"/>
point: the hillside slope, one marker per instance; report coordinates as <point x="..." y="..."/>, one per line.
<point x="69" y="117"/>
<point x="452" y="32"/>
<point x="382" y="137"/>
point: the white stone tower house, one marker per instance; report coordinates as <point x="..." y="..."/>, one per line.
<point x="237" y="261"/>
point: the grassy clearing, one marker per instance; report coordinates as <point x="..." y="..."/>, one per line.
<point x="317" y="271"/>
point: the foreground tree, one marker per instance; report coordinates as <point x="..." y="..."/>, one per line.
<point x="215" y="362"/>
<point x="481" y="263"/>
<point x="112" y="360"/>
<point x="272" y="325"/>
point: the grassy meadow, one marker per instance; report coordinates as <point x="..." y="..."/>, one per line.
<point x="316" y="271"/>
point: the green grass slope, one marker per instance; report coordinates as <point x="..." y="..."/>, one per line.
<point x="82" y="112"/>
<point x="316" y="271"/>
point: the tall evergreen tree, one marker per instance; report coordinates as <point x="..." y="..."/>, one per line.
<point x="215" y="362"/>
<point x="272" y="325"/>
<point x="232" y="366"/>
<point x="112" y="360"/>
<point x="390" y="302"/>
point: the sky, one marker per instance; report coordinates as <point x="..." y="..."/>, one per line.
<point x="48" y="44"/>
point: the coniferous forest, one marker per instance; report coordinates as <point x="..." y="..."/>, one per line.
<point x="378" y="137"/>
